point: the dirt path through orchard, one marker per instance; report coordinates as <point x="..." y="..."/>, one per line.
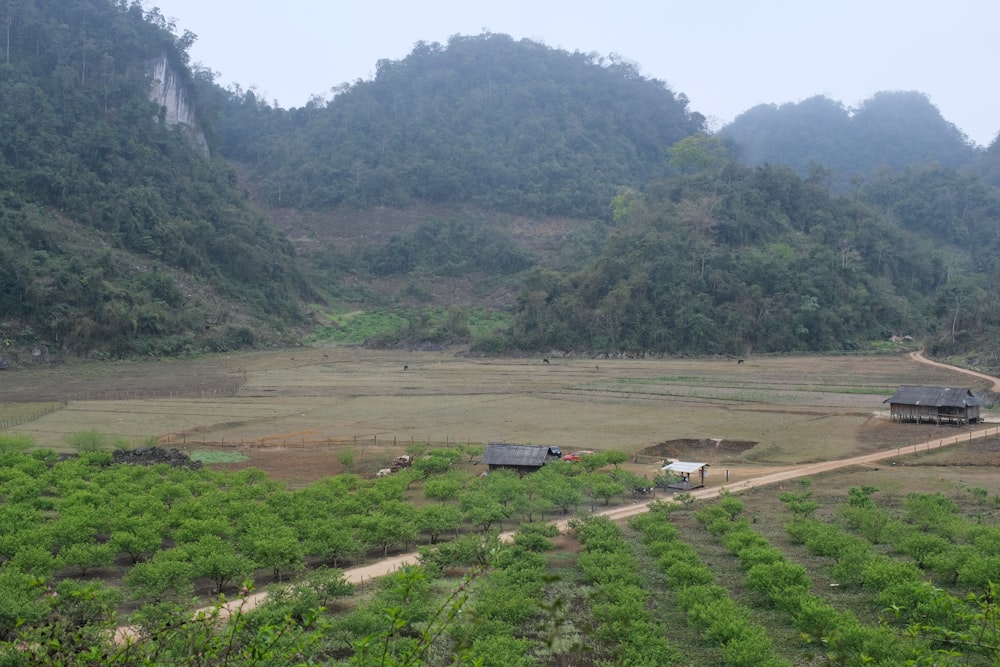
<point x="360" y="575"/>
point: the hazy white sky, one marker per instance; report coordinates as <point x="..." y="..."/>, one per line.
<point x="725" y="55"/>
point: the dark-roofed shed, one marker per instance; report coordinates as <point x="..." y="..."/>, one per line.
<point x="939" y="405"/>
<point x="522" y="458"/>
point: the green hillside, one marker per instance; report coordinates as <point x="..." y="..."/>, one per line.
<point x="120" y="235"/>
<point x="503" y="124"/>
<point x="576" y="200"/>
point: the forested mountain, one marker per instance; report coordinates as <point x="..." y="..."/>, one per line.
<point x="892" y="130"/>
<point x="119" y="235"/>
<point x="584" y="198"/>
<point x="739" y="260"/>
<point x="508" y="125"/>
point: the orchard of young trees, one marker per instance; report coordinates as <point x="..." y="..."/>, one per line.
<point x="83" y="539"/>
<point x="104" y="564"/>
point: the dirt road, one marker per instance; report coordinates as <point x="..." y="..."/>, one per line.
<point x="363" y="574"/>
<point x="919" y="356"/>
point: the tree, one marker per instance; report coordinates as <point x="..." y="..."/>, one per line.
<point x="331" y="540"/>
<point x="139" y="537"/>
<point x="88" y="441"/>
<point x="593" y="462"/>
<point x="86" y="556"/>
<point x="633" y="483"/>
<point x="559" y="489"/>
<point x="166" y="576"/>
<point x="437" y="519"/>
<point x="503" y="485"/>
<point x="599" y="485"/>
<point x="443" y="487"/>
<point x="218" y="561"/>
<point x="346" y="458"/>
<point x="272" y="544"/>
<point x="21" y="600"/>
<point x="35" y="560"/>
<point x="330" y="583"/>
<point x="384" y="529"/>
<point x="483" y="510"/>
<point x="473" y="451"/>
<point x="697" y="153"/>
<point x="431" y="465"/>
<point x="615" y="458"/>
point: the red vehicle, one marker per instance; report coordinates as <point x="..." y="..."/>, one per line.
<point x="576" y="456"/>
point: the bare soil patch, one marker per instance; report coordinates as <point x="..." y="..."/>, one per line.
<point x="685" y="446"/>
<point x="293" y="465"/>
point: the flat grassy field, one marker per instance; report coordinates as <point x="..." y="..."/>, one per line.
<point x="289" y="411"/>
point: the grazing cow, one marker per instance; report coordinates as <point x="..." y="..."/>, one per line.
<point x="740" y="361"/>
<point x="405" y="367"/>
<point x="545" y="361"/>
<point x="384" y="472"/>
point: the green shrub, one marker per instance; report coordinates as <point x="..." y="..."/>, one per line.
<point x="691" y="595"/>
<point x="719" y="620"/>
<point x="87" y="441"/>
<point x="778" y="581"/>
<point x="751" y="648"/>
<point x="881" y="572"/>
<point x="15" y="443"/>
<point x="680" y="574"/>
<point x="850" y="564"/>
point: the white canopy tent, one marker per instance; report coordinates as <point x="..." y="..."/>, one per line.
<point x="684" y="469"/>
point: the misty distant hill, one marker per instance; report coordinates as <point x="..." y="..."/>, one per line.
<point x="892" y="130"/>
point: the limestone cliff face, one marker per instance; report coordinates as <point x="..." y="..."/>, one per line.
<point x="167" y="90"/>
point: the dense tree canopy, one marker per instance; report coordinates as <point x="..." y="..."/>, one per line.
<point x="512" y="125"/>
<point x="760" y="260"/>
<point x="103" y="205"/>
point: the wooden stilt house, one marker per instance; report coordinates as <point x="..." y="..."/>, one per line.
<point x="936" y="405"/>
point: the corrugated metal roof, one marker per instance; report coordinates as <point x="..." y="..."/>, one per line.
<point x="515" y="455"/>
<point x="936" y="396"/>
<point x="683" y="466"/>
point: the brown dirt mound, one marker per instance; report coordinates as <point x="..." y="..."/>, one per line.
<point x="675" y="448"/>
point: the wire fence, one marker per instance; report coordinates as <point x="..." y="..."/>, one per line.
<point x="36" y="413"/>
<point x="219" y="391"/>
<point x="311" y="440"/>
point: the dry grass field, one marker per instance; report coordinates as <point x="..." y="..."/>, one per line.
<point x="291" y="410"/>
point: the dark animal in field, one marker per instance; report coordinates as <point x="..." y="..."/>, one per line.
<point x="740" y="361"/>
<point x="545" y="361"/>
<point x="405" y="367"/>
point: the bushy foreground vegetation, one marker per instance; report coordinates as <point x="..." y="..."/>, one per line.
<point x="72" y="528"/>
<point x="87" y="547"/>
